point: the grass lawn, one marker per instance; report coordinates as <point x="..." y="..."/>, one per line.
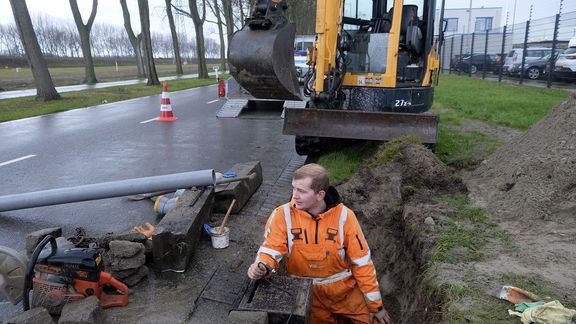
<point x="17" y="108"/>
<point x="11" y="79"/>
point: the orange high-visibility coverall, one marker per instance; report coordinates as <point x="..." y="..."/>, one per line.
<point x="331" y="250"/>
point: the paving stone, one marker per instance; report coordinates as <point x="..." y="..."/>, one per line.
<point x="33" y="316"/>
<point x="86" y="311"/>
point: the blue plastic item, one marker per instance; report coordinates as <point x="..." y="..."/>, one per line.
<point x="229" y="174"/>
<point x="207" y="229"/>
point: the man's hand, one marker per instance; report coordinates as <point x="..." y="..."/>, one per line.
<point x="257" y="270"/>
<point x="382" y="317"/>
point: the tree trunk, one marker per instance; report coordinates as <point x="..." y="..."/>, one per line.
<point x="45" y="89"/>
<point x="175" y="44"/>
<point x="199" y="30"/>
<point x="135" y="41"/>
<point x="221" y="34"/>
<point x="147" y="42"/>
<point x="228" y="18"/>
<point x="84" y="31"/>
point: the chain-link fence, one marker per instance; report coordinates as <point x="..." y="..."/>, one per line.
<point x="533" y="50"/>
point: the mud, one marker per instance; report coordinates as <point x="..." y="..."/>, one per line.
<point x="392" y="202"/>
<point x="528" y="186"/>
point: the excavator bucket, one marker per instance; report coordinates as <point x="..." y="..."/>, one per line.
<point x="354" y="124"/>
<point x="262" y="61"/>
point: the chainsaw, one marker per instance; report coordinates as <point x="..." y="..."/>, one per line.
<point x="58" y="277"/>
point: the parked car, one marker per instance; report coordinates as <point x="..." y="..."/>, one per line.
<point x="533" y="69"/>
<point x="565" y="67"/>
<point x="477" y="62"/>
<point x="514" y="58"/>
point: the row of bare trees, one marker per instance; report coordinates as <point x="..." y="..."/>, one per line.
<point x="62" y="40"/>
<point x="104" y="40"/>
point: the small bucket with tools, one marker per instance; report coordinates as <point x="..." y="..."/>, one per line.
<point x="219" y="239"/>
<point x="220" y="235"/>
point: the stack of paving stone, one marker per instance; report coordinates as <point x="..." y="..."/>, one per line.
<point x="126" y="260"/>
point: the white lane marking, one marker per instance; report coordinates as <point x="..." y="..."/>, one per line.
<point x="213" y="101"/>
<point x="17" y="160"/>
<point x="149" y="120"/>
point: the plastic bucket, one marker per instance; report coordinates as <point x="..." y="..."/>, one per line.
<point x="220" y="241"/>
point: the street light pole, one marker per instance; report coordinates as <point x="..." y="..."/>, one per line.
<point x="514" y="16"/>
<point x="469" y="16"/>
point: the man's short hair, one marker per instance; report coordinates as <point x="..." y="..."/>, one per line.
<point x="319" y="176"/>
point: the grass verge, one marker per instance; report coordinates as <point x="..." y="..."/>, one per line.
<point x="496" y="103"/>
<point x="11" y="109"/>
<point x="465" y="236"/>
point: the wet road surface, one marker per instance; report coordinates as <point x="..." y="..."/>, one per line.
<point x="121" y="141"/>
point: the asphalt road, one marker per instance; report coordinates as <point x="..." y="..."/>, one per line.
<point x="121" y="141"/>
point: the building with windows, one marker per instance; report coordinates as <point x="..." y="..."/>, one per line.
<point x="466" y="20"/>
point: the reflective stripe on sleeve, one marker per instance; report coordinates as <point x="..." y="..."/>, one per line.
<point x="288" y="226"/>
<point x="341" y="222"/>
<point x="333" y="278"/>
<point x="275" y="254"/>
<point x="342" y="253"/>
<point x="372" y="296"/>
<point x="363" y="260"/>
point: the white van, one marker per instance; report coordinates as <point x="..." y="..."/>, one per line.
<point x="514" y="58"/>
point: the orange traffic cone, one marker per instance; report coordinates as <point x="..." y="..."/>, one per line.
<point x="166" y="114"/>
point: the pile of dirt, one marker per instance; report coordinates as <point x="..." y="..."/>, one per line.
<point x="528" y="186"/>
<point x="396" y="205"/>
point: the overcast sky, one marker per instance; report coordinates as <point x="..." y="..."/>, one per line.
<point x="110" y="12"/>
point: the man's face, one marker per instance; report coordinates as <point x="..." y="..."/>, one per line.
<point x="304" y="195"/>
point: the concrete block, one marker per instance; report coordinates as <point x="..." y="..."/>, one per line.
<point x="34" y="238"/>
<point x="86" y="311"/>
<point x="135" y="278"/>
<point x="132" y="237"/>
<point x="178" y="233"/>
<point x="33" y="316"/>
<point x="125" y="249"/>
<point x="120" y="264"/>
<point x="239" y="190"/>
<point x="247" y="317"/>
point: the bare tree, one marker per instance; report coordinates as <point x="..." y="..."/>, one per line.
<point x="84" y="31"/>
<point x="147" y="40"/>
<point x="228" y="17"/>
<point x="45" y="89"/>
<point x="216" y="11"/>
<point x="135" y="41"/>
<point x="175" y="44"/>
<point x="199" y="30"/>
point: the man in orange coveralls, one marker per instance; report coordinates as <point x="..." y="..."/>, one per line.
<point x="322" y="240"/>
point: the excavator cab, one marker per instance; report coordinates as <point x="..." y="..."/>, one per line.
<point x="372" y="70"/>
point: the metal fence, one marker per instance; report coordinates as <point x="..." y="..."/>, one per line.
<point x="517" y="52"/>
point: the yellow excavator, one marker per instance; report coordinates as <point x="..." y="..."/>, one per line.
<point x="372" y="69"/>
